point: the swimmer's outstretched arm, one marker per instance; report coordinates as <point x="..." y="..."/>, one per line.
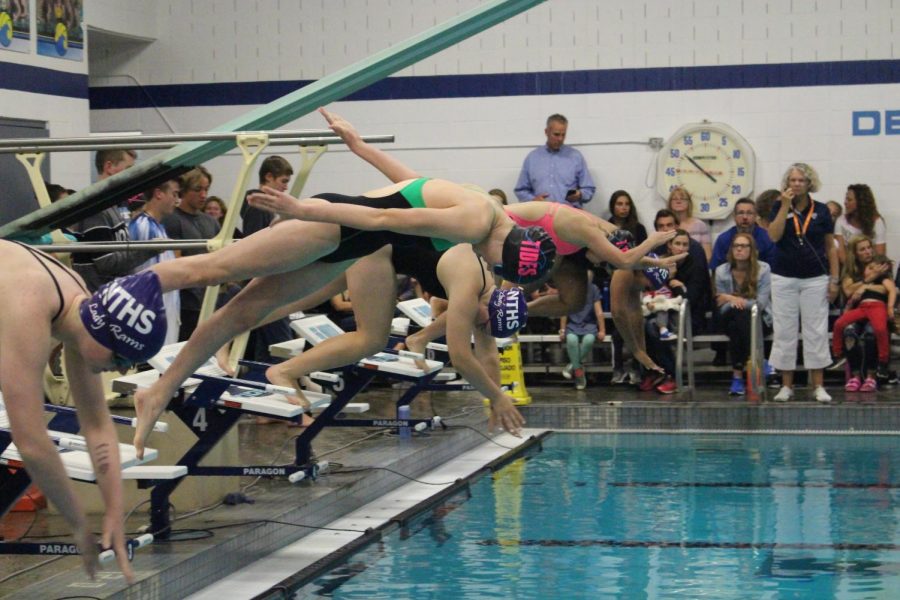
<point x="103" y="446"/>
<point x="463" y="287"/>
<point x="460" y="222"/>
<point x="22" y="374"/>
<point x="392" y="168"/>
<point x="603" y="249"/>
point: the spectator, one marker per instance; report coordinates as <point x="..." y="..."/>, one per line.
<point x="700" y="294"/>
<point x="555" y="172"/>
<point x="744" y="222"/>
<point x="580" y="330"/>
<point x="873" y="301"/>
<point x="687" y="280"/>
<point x="215" y="207"/>
<point x="741" y="281"/>
<point x="56" y="192"/>
<point x="274" y="172"/>
<point x="835" y="209"/>
<point x="860" y="216"/>
<point x="680" y="203"/>
<point x="159" y="203"/>
<point x="764" y="208"/>
<point x="341" y="311"/>
<point x="804" y="280"/>
<point x="498" y="195"/>
<point x="107" y="226"/>
<point x="189" y="222"/>
<point x="623" y="215"/>
<point x="856" y="336"/>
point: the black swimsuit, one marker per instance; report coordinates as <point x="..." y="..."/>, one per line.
<point x="356" y="243"/>
<point x="42" y="260"/>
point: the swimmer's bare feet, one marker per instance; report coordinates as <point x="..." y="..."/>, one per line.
<point x="417" y="343"/>
<point x="223" y="359"/>
<point x="148" y="405"/>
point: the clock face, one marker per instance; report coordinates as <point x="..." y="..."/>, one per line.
<point x="713" y="162"/>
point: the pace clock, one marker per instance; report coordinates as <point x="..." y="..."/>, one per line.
<point x="713" y="162"/>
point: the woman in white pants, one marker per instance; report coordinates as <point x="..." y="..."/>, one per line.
<point x="804" y="280"/>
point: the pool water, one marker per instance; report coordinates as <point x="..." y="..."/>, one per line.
<point x="654" y="516"/>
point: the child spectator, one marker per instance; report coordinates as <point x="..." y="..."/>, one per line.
<point x="873" y="301"/>
<point x="579" y="330"/>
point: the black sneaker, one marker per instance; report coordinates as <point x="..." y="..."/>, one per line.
<point x="882" y="373"/>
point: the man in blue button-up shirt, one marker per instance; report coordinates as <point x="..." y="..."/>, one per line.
<point x="555" y="172"/>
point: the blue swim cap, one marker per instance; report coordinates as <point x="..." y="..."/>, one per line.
<point x="657" y="276"/>
<point x="127" y="316"/>
<point x="507" y="312"/>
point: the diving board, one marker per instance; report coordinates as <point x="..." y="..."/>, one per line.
<point x="336" y="86"/>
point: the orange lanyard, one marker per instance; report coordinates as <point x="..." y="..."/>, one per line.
<point x="801" y="233"/>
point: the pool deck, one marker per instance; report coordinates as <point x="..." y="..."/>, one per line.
<point x="176" y="569"/>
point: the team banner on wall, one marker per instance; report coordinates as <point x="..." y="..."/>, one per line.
<point x="60" y="28"/>
<point x="15" y="26"/>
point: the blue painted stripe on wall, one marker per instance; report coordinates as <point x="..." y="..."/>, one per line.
<point x="39" y="80"/>
<point x="516" y="84"/>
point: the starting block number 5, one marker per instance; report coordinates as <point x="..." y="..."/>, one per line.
<point x="199" y="423"/>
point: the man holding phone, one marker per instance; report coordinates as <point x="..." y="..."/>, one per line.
<point x="554" y="171"/>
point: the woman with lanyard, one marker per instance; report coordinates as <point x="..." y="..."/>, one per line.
<point x="804" y="280"/>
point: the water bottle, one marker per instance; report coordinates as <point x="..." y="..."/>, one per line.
<point x="405" y="433"/>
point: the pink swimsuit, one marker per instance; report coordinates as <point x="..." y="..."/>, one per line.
<point x="563" y="248"/>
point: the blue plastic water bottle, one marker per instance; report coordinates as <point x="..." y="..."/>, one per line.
<point x="405" y="433"/>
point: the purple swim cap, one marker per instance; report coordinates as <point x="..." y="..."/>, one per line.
<point x="127" y="316"/>
<point x="657" y="276"/>
<point x="528" y="254"/>
<point x="507" y="312"/>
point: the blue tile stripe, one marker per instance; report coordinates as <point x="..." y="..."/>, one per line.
<point x="40" y="80"/>
<point x="516" y="84"/>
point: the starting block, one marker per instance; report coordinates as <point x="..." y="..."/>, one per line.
<point x="210" y="403"/>
<point x="352" y="379"/>
<point x="72" y="448"/>
<point x="419" y="312"/>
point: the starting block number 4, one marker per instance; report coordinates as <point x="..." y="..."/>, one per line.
<point x="199" y="423"/>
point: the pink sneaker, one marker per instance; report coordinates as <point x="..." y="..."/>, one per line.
<point x="869" y="385"/>
<point x="852" y="384"/>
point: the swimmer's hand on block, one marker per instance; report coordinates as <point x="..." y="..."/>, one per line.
<point x="131" y="545"/>
<point x="410" y="354"/>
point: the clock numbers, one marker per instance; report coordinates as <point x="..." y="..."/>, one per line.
<point x="674" y="153"/>
<point x="688" y="140"/>
<point x="741" y="172"/>
<point x="705" y="136"/>
<point x="735" y="189"/>
<point x="704" y="207"/>
<point x="670" y="171"/>
<point x="724" y="140"/>
<point x="723" y="202"/>
<point x="736" y="154"/>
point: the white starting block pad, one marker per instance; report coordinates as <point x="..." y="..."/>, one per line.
<point x="418" y="311"/>
<point x="318" y="328"/>
<point x="77" y="461"/>
<point x="236" y="396"/>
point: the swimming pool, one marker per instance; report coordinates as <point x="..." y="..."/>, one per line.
<point x="654" y="516"/>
